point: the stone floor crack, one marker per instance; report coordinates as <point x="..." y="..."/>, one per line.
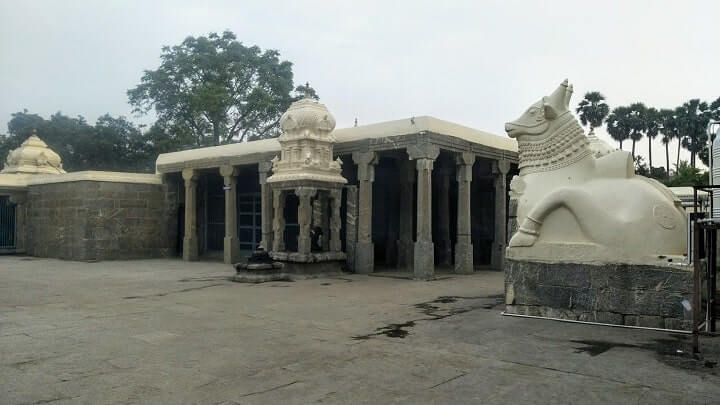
<point x="135" y="297"/>
<point x="448" y="380"/>
<point x="269" y="389"/>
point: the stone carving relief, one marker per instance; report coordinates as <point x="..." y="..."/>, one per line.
<point x="579" y="202"/>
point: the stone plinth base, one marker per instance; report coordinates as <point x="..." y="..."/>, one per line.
<point x="286" y="271"/>
<point x="622" y="294"/>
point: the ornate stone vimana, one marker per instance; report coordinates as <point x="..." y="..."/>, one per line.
<point x="33" y="157"/>
<point x="306" y="169"/>
<point x="578" y="201"/>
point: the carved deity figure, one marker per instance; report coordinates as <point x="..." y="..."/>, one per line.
<point x="577" y="205"/>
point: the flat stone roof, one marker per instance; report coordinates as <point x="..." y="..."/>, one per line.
<point x="256" y="151"/>
<point x="10" y="181"/>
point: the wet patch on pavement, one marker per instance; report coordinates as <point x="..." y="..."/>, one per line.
<point x="436" y="309"/>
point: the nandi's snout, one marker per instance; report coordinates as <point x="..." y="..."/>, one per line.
<point x="536" y="119"/>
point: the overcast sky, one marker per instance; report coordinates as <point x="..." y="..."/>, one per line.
<point x="476" y="63"/>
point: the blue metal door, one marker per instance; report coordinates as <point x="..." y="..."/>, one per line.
<point x="7" y="223"/>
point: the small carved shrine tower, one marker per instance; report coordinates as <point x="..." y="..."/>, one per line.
<point x="306" y="169"/>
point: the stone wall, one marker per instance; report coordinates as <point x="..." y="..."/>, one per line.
<point x="649" y="296"/>
<point x="102" y="220"/>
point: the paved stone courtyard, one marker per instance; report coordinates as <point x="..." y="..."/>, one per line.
<point x="167" y="331"/>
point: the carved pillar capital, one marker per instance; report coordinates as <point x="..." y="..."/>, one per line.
<point x="189" y="174"/>
<point x="305" y="192"/>
<point x="366" y="162"/>
<point x="264" y="171"/>
<point x="228" y="171"/>
<point x="423" y="150"/>
<point x="464" y="162"/>
<point x="501" y="167"/>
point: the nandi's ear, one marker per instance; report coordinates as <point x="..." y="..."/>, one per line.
<point x="550" y="111"/>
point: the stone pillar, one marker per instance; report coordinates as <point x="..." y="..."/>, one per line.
<point x="231" y="246"/>
<point x="190" y="241"/>
<point x="278" y="221"/>
<point x="365" y="250"/>
<point x="424" y="253"/>
<point x="444" y="244"/>
<point x="321" y="208"/>
<point x="405" y="246"/>
<point x="463" y="245"/>
<point x="500" y="169"/>
<point x="266" y="205"/>
<point x="335" y="224"/>
<point x="351" y="214"/>
<point x="424" y="155"/>
<point x="20" y="209"/>
<point x="305" y="195"/>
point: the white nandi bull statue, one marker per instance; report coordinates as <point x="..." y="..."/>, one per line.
<point x="574" y="206"/>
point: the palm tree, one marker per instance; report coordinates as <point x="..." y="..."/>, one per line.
<point x="666" y="120"/>
<point x="677" y="127"/>
<point x="693" y="120"/>
<point x="636" y="123"/>
<point x="592" y="110"/>
<point x="618" y="124"/>
<point x="652" y="128"/>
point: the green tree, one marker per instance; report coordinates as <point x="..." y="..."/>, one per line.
<point x="112" y="144"/>
<point x="652" y="129"/>
<point x="637" y="124"/>
<point x="218" y="90"/>
<point x="592" y="110"/>
<point x="618" y="124"/>
<point x="686" y="175"/>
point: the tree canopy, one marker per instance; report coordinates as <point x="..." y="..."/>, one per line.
<point x="111" y="144"/>
<point x="214" y="90"/>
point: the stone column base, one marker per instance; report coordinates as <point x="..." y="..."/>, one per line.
<point x="424" y="261"/>
<point x="364" y="257"/>
<point x="405" y="252"/>
<point x="190" y="249"/>
<point x="463" y="258"/>
<point x="231" y="251"/>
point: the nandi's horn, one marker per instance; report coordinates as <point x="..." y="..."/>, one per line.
<point x="568" y="95"/>
<point x="558" y="100"/>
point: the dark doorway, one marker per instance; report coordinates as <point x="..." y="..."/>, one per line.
<point x="7" y="223"/>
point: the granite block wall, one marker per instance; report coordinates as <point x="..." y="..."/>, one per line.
<point x="101" y="220"/>
<point x="624" y="294"/>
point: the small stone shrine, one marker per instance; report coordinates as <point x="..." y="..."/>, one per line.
<point x="33" y="157"/>
<point x="307" y="170"/>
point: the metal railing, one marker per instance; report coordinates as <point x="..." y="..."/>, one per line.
<point x="704" y="259"/>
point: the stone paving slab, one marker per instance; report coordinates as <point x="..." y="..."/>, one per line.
<point x="167" y="331"/>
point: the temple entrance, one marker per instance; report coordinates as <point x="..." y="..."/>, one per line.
<point x="249" y="222"/>
<point x="386" y="212"/>
<point x="7" y="223"/>
<point x="214" y="213"/>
